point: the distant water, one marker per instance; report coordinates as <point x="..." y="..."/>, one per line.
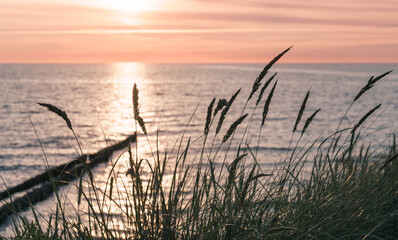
<point x="97" y="99"/>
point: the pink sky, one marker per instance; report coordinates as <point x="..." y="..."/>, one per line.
<point x="186" y="31"/>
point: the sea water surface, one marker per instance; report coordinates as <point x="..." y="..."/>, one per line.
<point x="98" y="101"/>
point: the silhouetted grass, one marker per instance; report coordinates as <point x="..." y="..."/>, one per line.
<point x="345" y="192"/>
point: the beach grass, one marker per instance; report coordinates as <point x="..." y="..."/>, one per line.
<point x="333" y="187"/>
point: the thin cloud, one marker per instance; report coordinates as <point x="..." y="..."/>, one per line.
<point x="129" y="31"/>
<point x="344" y="6"/>
<point x="191" y="30"/>
<point x="268" y="18"/>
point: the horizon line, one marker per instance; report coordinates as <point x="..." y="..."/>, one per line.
<point x="189" y="63"/>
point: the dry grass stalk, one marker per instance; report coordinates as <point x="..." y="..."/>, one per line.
<point x="59" y="112"/>
<point x="225" y="111"/>
<point x="267" y="103"/>
<point x="300" y="113"/>
<point x="221" y="120"/>
<point x="364" y="118"/>
<point x="370" y="84"/>
<point x="208" y="117"/>
<point x="221" y="103"/>
<point x="309" y="120"/>
<point x="390" y="159"/>
<point x="135" y="102"/>
<point x="141" y="122"/>
<point x="232" y="167"/>
<point x="265" y="70"/>
<point x="233" y="127"/>
<point x="137" y="116"/>
<point x="264" y="87"/>
<point x="232" y="99"/>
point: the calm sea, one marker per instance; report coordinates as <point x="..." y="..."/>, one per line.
<point x="97" y="99"/>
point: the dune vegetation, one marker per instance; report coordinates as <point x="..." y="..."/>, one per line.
<point x="349" y="191"/>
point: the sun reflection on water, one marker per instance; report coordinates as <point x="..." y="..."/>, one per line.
<point x="121" y="123"/>
<point x="123" y="77"/>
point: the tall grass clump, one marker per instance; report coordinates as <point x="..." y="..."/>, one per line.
<point x="331" y="188"/>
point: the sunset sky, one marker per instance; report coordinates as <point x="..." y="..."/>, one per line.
<point x="190" y="31"/>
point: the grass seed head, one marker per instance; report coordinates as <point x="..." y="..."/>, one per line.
<point x="59" y="112"/>
<point x="264" y="87"/>
<point x="300" y="113"/>
<point x="208" y="117"/>
<point x="370" y="84"/>
<point x="221" y="103"/>
<point x="309" y="120"/>
<point x="233" y="127"/>
<point x="137" y="116"/>
<point x="267" y="103"/>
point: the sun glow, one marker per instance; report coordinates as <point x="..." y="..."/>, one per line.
<point x="129" y="5"/>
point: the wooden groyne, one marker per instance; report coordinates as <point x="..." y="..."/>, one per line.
<point x="54" y="177"/>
